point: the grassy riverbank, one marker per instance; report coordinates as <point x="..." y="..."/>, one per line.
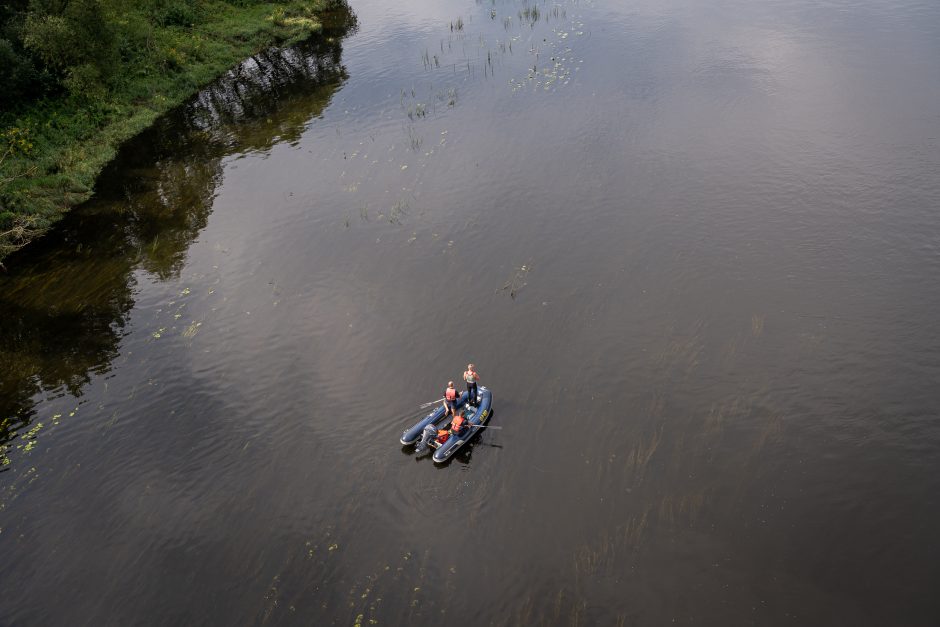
<point x="95" y="74"/>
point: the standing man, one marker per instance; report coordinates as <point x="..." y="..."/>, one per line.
<point x="471" y="377"/>
<point x="450" y="399"/>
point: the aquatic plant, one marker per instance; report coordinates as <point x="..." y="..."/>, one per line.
<point x="517" y="281"/>
<point x="414" y="139"/>
<point x="530" y="14"/>
<point x="397" y="211"/>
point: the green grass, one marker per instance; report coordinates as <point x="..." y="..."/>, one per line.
<point x="52" y="151"/>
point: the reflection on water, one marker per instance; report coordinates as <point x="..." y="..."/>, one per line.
<point x="64" y="304"/>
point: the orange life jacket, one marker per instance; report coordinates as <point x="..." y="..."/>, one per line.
<point x="450" y="394"/>
<point x="457" y="423"/>
<point x="442" y="435"/>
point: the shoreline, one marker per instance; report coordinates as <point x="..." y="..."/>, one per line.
<point x="53" y="151"/>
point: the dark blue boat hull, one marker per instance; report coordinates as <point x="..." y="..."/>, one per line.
<point x="476" y="416"/>
<point x="411" y="434"/>
<point x="455" y="442"/>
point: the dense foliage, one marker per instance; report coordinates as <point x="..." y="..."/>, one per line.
<point x="80" y="76"/>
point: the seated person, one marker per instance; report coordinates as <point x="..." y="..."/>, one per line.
<point x="459" y="425"/>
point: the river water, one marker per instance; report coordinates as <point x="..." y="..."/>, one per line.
<point x="693" y="248"/>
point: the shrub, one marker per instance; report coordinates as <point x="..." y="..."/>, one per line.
<point x="177" y="13"/>
<point x="79" y="43"/>
<point x="19" y="76"/>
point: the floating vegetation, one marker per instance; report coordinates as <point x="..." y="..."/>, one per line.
<point x="517" y="281"/>
<point x="539" y="75"/>
<point x="31" y="434"/>
<point x="29" y="439"/>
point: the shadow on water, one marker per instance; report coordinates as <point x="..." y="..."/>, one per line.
<point x="66" y="300"/>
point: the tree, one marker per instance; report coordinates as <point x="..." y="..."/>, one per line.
<point x="76" y="39"/>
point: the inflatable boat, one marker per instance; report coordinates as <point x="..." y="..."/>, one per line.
<point x="424" y="433"/>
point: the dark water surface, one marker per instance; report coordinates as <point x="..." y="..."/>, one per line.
<point x="693" y="248"/>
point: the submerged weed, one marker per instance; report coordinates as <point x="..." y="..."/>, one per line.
<point x="398" y="211"/>
<point x="517" y="281"/>
<point x="530" y="15"/>
<point x="417" y="110"/>
<point x="414" y="139"/>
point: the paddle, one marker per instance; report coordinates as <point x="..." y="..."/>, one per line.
<point x="473" y="426"/>
<point x="431" y="403"/>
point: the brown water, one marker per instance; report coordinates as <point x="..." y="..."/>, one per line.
<point x="693" y="249"/>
